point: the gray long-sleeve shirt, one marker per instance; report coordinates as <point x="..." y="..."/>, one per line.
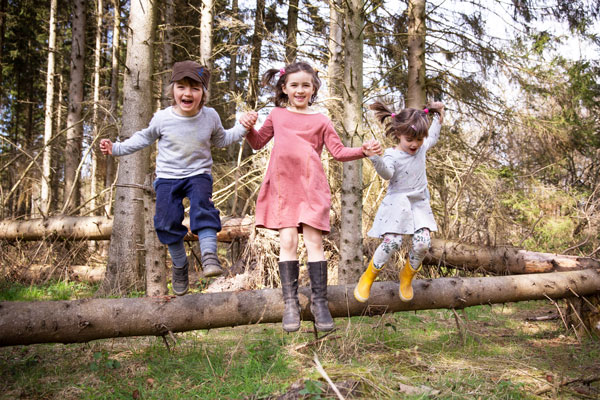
<point x="184" y="143"/>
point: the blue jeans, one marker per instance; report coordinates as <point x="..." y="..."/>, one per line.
<point x="169" y="207"/>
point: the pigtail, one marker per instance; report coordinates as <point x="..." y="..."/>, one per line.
<point x="382" y="112"/>
<point x="268" y="78"/>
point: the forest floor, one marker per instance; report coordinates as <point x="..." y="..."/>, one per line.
<point x="484" y="352"/>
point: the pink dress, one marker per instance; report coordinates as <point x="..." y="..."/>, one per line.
<point x="295" y="189"/>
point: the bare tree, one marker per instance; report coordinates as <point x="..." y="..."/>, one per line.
<point x="74" y="114"/>
<point x="125" y="265"/>
<point x="114" y="91"/>
<point x="415" y="97"/>
<point x="47" y="157"/>
<point x="291" y="45"/>
<point x="257" y="37"/>
<point x="351" y="248"/>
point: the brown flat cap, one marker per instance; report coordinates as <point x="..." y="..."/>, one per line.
<point x="192" y="70"/>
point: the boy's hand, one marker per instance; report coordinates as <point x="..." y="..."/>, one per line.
<point x="371" y="148"/>
<point x="249" y="119"/>
<point x="106" y="146"/>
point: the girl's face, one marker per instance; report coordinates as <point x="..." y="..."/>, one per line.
<point x="188" y="97"/>
<point x="409" y="144"/>
<point x="299" y="88"/>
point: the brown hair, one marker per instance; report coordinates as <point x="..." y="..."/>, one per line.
<point x="410" y="122"/>
<point x="169" y="91"/>
<point x="281" y="99"/>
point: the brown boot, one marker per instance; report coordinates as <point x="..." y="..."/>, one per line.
<point x="319" y="305"/>
<point x="288" y="272"/>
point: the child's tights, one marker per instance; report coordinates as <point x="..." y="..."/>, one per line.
<point x="392" y="242"/>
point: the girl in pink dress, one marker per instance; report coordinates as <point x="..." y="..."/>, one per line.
<point x="295" y="197"/>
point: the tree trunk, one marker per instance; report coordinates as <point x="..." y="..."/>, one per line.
<point x="100" y="228"/>
<point x="206" y="21"/>
<point x="96" y="106"/>
<point x="415" y="97"/>
<point x="156" y="254"/>
<point x="167" y="53"/>
<point x="47" y="151"/>
<point x="124" y="270"/>
<point x="500" y="260"/>
<point x="90" y="319"/>
<point x="351" y="248"/>
<point x="257" y="37"/>
<point x="114" y="97"/>
<point x="291" y="45"/>
<point x="74" y="123"/>
<point x="503" y="260"/>
<point x="335" y="74"/>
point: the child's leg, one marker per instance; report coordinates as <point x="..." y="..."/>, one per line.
<point x="179" y="279"/>
<point x="391" y="243"/>
<point x="204" y="221"/>
<point x="421" y="242"/>
<point x="288" y="273"/>
<point x="178" y="254"/>
<point x="288" y="244"/>
<point x="211" y="266"/>
<point x="317" y="271"/>
<point x="170" y="231"/>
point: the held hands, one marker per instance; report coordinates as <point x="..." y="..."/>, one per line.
<point x="106" y="146"/>
<point x="371" y="148"/>
<point x="249" y="119"/>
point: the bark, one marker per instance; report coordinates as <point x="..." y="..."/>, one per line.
<point x="74" y="123"/>
<point x="124" y="270"/>
<point x="47" y="152"/>
<point x="206" y="21"/>
<point x="351" y="248"/>
<point x="167" y="49"/>
<point x="291" y="45"/>
<point x="500" y="260"/>
<point x="415" y="97"/>
<point x="100" y="228"/>
<point x="96" y="104"/>
<point x="114" y="96"/>
<point x="503" y="260"/>
<point x="156" y="254"/>
<point x="257" y="37"/>
<point x="84" y="320"/>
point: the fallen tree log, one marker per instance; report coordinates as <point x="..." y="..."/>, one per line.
<point x="84" y="320"/>
<point x="98" y="228"/>
<point x="499" y="260"/>
<point x="503" y="259"/>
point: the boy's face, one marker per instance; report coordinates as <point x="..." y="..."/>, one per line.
<point x="188" y="97"/>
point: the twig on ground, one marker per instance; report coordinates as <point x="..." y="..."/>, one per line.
<point x="326" y="377"/>
<point x="565" y="382"/>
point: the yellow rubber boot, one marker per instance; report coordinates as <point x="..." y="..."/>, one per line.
<point x="363" y="287"/>
<point x="407" y="274"/>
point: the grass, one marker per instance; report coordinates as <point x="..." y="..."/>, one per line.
<point x="497" y="355"/>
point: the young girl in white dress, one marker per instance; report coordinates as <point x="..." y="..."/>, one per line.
<point x="405" y="210"/>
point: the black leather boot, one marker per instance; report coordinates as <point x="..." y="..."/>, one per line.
<point x="288" y="272"/>
<point x="319" y="306"/>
